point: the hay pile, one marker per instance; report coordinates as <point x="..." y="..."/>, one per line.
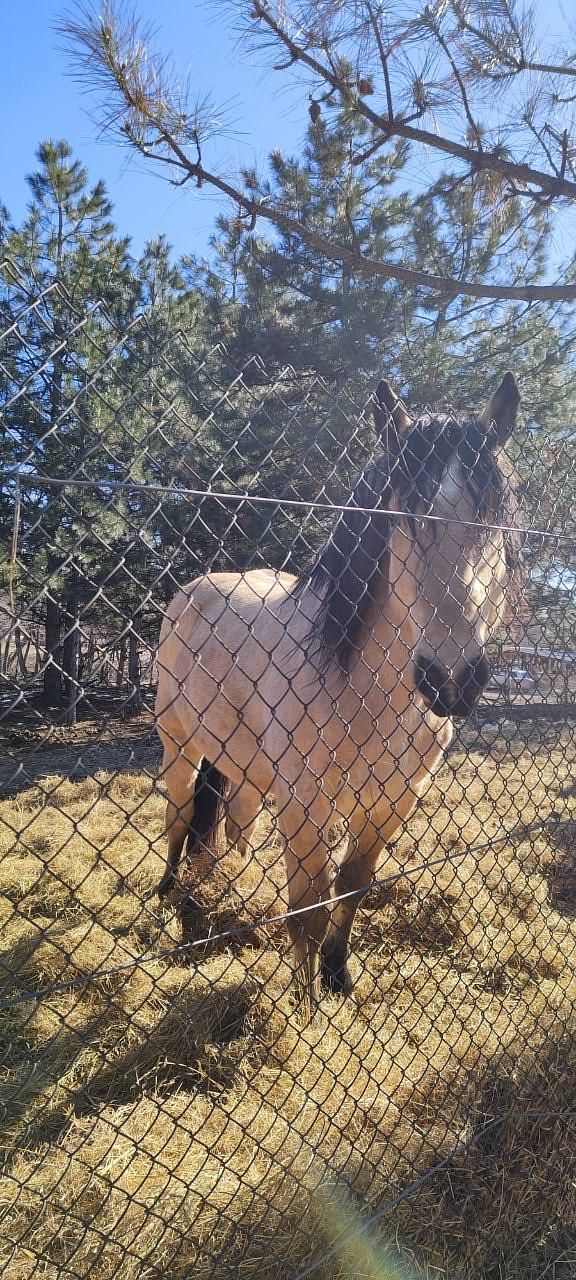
<point x="177" y="1121"/>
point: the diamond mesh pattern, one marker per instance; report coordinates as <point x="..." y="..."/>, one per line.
<point x="349" y="1011"/>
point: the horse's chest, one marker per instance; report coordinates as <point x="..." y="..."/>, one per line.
<point x="367" y="760"/>
<point x="397" y="757"/>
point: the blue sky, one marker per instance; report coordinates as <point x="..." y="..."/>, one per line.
<point x="39" y="100"/>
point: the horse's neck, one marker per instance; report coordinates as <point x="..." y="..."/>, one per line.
<point x="380" y="682"/>
<point x="382" y="667"/>
<point x="385" y="655"/>
<point x="384" y="663"/>
<point x="381" y="675"/>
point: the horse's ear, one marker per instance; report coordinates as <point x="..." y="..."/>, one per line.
<point x="500" y="413"/>
<point x="391" y="419"/>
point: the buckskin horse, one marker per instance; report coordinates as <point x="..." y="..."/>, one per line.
<point x="336" y="692"/>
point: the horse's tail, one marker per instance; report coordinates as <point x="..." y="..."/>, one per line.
<point x="209" y="797"/>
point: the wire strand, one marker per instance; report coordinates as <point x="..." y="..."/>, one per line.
<point x="34" y="479"/>
<point x="461" y="1149"/>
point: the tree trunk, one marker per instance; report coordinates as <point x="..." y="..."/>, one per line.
<point x="20" y="655"/>
<point x="52" y="680"/>
<point x="121" y="663"/>
<point x="134" y="703"/>
<point x="90" y="655"/>
<point x="71" y="653"/>
<point x="37" y="652"/>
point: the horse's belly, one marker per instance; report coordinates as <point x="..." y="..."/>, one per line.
<point x="235" y="684"/>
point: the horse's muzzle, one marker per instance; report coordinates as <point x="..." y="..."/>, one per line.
<point x="449" y="694"/>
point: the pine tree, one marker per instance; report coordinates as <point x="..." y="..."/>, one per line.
<point x="66" y="258"/>
<point x="309" y="320"/>
<point x="290" y="303"/>
<point x="148" y="443"/>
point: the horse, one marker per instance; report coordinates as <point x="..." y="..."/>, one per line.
<point x="336" y="691"/>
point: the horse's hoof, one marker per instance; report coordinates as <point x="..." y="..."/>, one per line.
<point x="335" y="977"/>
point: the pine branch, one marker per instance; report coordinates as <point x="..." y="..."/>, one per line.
<point x="495" y="160"/>
<point x="362" y="265"/>
<point x="142" y="101"/>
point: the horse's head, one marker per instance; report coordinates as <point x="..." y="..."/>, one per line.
<point x="449" y="559"/>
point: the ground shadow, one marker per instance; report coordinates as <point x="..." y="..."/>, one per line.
<point x="184" y="1047"/>
<point x="36" y="744"/>
<point x="561" y="874"/>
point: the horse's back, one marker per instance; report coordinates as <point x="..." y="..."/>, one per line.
<point x="244" y="594"/>
<point x="228" y="607"/>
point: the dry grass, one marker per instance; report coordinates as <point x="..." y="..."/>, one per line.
<point x="177" y="1121"/>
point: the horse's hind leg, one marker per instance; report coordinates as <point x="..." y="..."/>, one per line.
<point x="308" y="870"/>
<point x="210" y="791"/>
<point x="180" y="777"/>
<point x="242" y="809"/>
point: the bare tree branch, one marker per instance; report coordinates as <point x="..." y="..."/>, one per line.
<point x="335" y="252"/>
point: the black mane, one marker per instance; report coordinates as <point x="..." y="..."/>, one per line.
<point x="352" y="570"/>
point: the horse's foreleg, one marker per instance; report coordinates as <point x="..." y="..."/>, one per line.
<point x="368" y="837"/>
<point x="244" y="805"/>
<point x="354" y="878"/>
<point x="307" y="923"/>
<point x="180" y="777"/>
<point x="308" y="870"/>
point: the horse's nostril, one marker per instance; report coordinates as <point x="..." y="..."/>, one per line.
<point x="475" y="679"/>
<point x="447" y="694"/>
<point x="432" y="673"/>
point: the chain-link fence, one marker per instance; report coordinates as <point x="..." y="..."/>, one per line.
<point x="287" y="859"/>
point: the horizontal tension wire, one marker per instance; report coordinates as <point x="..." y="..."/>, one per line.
<point x="34" y="480"/>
